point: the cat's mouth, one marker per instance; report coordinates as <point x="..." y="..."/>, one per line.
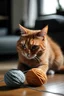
<point x="28" y="56"/>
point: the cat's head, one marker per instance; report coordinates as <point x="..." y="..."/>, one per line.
<point x="32" y="43"/>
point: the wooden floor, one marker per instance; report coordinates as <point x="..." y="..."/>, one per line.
<point x="53" y="87"/>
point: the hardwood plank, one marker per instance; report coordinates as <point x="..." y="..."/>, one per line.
<point x="55" y="84"/>
<point x="53" y="87"/>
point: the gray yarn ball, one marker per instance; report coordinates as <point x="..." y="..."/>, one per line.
<point x="14" y="78"/>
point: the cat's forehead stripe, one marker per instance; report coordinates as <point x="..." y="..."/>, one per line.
<point x="30" y="40"/>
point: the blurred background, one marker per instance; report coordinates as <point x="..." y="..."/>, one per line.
<point x="33" y="14"/>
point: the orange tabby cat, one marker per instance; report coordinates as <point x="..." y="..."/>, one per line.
<point x="36" y="49"/>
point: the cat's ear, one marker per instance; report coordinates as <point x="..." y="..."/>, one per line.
<point x="43" y="32"/>
<point x="23" y="30"/>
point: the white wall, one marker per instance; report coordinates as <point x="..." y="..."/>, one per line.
<point x="48" y="7"/>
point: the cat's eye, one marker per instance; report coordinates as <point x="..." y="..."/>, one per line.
<point x="23" y="46"/>
<point x="34" y="47"/>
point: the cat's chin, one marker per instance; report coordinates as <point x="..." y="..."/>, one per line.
<point x="28" y="57"/>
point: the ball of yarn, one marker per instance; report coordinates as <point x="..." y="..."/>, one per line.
<point x="14" y="78"/>
<point x="36" y="77"/>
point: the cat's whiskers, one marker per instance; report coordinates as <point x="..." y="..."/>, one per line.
<point x="36" y="58"/>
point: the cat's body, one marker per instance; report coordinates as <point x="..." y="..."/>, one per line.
<point x="40" y="51"/>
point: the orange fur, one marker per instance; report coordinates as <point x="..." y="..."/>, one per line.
<point x="37" y="50"/>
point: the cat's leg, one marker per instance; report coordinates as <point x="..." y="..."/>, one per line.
<point x="58" y="62"/>
<point x="23" y="67"/>
<point x="44" y="67"/>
